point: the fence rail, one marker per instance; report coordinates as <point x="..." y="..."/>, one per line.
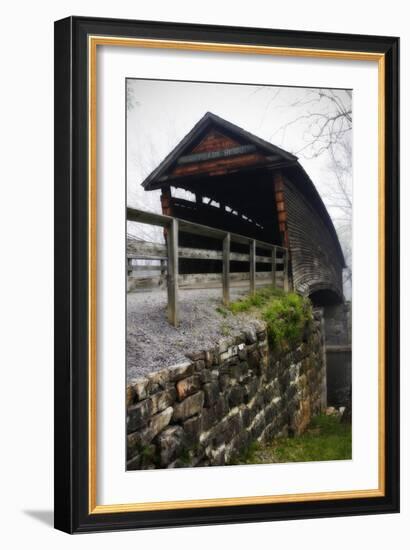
<point x="169" y="253"/>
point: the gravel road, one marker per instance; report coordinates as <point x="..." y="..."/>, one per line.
<point x="152" y="343"/>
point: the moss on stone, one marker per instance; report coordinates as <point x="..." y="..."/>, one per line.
<point x="287" y="316"/>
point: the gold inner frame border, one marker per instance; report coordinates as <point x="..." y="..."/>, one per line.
<point x="95" y="41"/>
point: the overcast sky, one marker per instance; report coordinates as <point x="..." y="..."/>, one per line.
<point x="161" y="113"/>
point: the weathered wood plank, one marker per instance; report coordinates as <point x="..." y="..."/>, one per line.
<point x="147" y="268"/>
<point x="274" y="267"/>
<point x="155" y="278"/>
<point x="150" y="218"/>
<point x="143" y="249"/>
<point x="172" y="280"/>
<point x="286" y="272"/>
<point x="155" y="251"/>
<point x="225" y="268"/>
<point x="252" y="265"/>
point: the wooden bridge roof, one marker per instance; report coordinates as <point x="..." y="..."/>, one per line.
<point x="158" y="176"/>
<point x="240" y="151"/>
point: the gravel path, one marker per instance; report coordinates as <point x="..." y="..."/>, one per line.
<point x="152" y="343"/>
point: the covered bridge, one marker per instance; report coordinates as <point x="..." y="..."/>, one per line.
<point x="236" y="181"/>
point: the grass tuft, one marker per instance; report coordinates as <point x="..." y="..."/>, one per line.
<point x="287" y="316"/>
<point x="325" y="439"/>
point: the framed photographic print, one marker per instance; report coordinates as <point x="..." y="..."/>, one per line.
<point x="226" y="281"/>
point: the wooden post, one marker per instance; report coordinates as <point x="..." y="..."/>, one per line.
<point x="226" y="252"/>
<point x="172" y="244"/>
<point x="274" y="267"/>
<point x="162" y="270"/>
<point x="252" y="265"/>
<point x="286" y="271"/>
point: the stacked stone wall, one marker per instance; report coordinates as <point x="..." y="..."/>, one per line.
<point x="206" y="411"/>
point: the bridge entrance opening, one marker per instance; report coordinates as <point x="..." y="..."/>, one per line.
<point x="324" y="298"/>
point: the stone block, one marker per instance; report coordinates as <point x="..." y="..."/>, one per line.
<point x="138" y="440"/>
<point x="192" y="428"/>
<point x="130" y="396"/>
<point x="188" y="386"/>
<point x="244" y="371"/>
<point x="221" y="407"/>
<point x="235" y="395"/>
<point x="215" y="374"/>
<point x="208" y="418"/>
<point x="250" y="389"/>
<point x="254" y="361"/>
<point x="242" y="352"/>
<point x="205" y="376"/>
<point x="225" y="381"/>
<point x="158" y="380"/>
<point x="246" y="415"/>
<point x="189" y="407"/>
<point x="209" y="358"/>
<point x="238" y="444"/>
<point x="229" y="354"/>
<point x="227" y="429"/>
<point x="196" y="355"/>
<point x="159" y="422"/>
<point x="181" y="370"/>
<point x="133" y="444"/>
<point x="261" y="335"/>
<point x="170" y="443"/>
<point x="163" y="399"/>
<point x="140" y="387"/>
<point x="211" y="392"/>
<point x="250" y="336"/>
<point x="200" y="365"/>
<point x="138" y="415"/>
<point x="257" y="426"/>
<point x="217" y="456"/>
<point x="223" y="345"/>
<point x="268" y="393"/>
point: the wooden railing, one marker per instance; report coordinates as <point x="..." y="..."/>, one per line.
<point x="170" y="253"/>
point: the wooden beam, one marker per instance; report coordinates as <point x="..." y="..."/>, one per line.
<point x="150" y="218"/>
<point x="172" y="280"/>
<point x="145" y="250"/>
<point x="212" y="155"/>
<point x="155" y="251"/>
<point x="274" y="266"/>
<point x="285" y="271"/>
<point x="252" y="265"/>
<point x="225" y="268"/>
<point x="147" y="268"/>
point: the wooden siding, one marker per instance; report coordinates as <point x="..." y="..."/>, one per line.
<point x="315" y="259"/>
<point x="215" y="141"/>
<point x="279" y="189"/>
<point x="219" y="166"/>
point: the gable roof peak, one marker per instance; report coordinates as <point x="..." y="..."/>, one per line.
<point x="222" y="124"/>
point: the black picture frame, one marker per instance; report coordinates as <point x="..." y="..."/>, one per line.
<point x="71" y="492"/>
